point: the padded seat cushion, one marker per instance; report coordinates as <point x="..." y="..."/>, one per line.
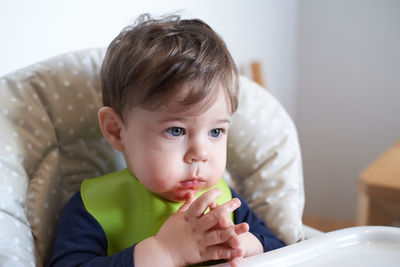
<point x="50" y="141"/>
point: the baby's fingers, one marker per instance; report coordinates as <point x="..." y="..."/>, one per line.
<point x="221" y="252"/>
<point x="220" y="236"/>
<point x="234" y="241"/>
<point x="189" y="200"/>
<point x="213" y="217"/>
<point x="225" y="222"/>
<point x="241" y="228"/>
<point x="199" y="206"/>
<point x="235" y="262"/>
<point x="213" y="205"/>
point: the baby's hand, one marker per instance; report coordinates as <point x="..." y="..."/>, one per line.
<point x="189" y="236"/>
<point x="235" y="241"/>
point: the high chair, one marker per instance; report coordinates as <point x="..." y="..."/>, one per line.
<point x="50" y="141"/>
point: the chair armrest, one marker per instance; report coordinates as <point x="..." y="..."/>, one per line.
<point x="310" y="232"/>
<point x="16" y="242"/>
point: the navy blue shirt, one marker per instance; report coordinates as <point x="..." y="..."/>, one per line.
<point x="81" y="241"/>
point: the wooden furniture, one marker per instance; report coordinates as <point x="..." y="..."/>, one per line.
<point x="379" y="190"/>
<point x="257" y="73"/>
<point x="326" y="224"/>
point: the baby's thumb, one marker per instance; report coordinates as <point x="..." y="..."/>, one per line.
<point x="189" y="200"/>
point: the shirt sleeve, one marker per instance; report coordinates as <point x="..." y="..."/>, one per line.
<point x="81" y="241"/>
<point x="257" y="227"/>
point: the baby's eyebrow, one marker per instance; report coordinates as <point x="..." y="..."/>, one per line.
<point x="172" y="119"/>
<point x="182" y="119"/>
<point x="224" y="121"/>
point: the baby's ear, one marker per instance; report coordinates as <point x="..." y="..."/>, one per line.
<point x="111" y="126"/>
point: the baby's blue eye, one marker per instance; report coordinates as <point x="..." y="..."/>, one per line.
<point x="215" y="133"/>
<point x="175" y="131"/>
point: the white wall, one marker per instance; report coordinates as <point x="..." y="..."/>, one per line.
<point x="348" y="95"/>
<point x="253" y="30"/>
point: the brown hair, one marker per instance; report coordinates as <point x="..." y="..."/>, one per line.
<point x="149" y="62"/>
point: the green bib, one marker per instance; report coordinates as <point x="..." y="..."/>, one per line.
<point x="127" y="211"/>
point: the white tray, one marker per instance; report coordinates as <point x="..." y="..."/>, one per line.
<point x="357" y="246"/>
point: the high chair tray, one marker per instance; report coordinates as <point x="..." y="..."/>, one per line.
<point x="356" y="246"/>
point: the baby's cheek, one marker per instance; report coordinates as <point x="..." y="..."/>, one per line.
<point x="219" y="165"/>
<point x="160" y="180"/>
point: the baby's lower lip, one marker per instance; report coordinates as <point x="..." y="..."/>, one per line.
<point x="191" y="184"/>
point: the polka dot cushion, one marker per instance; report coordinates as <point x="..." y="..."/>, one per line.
<point x="50" y="141"/>
<point x="264" y="161"/>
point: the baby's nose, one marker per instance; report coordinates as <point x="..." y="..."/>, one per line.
<point x="196" y="153"/>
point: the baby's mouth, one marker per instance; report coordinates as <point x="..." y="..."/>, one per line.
<point x="191" y="183"/>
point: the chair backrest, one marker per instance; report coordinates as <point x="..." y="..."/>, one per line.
<point x="50" y="141"/>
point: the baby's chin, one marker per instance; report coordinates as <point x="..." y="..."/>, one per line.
<point x="180" y="195"/>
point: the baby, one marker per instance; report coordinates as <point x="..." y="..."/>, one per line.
<point x="170" y="87"/>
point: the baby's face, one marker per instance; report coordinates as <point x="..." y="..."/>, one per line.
<point x="174" y="154"/>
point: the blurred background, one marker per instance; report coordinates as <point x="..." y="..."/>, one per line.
<point x="334" y="65"/>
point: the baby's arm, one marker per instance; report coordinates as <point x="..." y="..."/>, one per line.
<point x="189" y="236"/>
<point x="80" y="240"/>
<point x="257" y="240"/>
<point x="258" y="230"/>
<point x="249" y="244"/>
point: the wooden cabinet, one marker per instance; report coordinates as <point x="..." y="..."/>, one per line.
<point x="379" y="190"/>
